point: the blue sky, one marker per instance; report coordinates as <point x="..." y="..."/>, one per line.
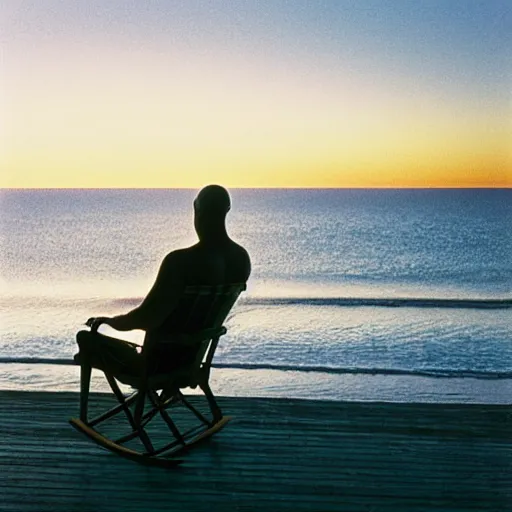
<point x="432" y="63"/>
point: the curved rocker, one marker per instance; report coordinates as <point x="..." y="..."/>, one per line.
<point x="207" y="307"/>
<point x="118" y="449"/>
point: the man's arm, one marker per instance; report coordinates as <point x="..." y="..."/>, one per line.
<point x="159" y="302"/>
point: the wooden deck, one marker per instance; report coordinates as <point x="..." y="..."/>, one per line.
<point x="275" y="455"/>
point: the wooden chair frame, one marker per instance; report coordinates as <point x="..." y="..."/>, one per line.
<point x="163" y="391"/>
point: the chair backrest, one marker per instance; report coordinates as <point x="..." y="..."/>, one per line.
<point x="196" y="322"/>
<point x="200" y="307"/>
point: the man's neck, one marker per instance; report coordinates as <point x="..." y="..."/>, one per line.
<point x="214" y="237"/>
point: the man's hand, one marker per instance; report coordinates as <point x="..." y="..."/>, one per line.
<point x="95" y="322"/>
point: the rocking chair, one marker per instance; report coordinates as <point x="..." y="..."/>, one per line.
<point x="200" y="314"/>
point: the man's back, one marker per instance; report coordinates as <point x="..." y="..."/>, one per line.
<point x="204" y="265"/>
<point x="223" y="263"/>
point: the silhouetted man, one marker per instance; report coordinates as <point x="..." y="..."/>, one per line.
<point x="214" y="260"/>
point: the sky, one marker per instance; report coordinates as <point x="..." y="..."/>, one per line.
<point x="262" y="93"/>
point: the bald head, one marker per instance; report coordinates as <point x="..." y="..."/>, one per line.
<point x="210" y="209"/>
<point x="213" y="200"/>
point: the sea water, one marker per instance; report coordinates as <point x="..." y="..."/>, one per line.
<point x="354" y="294"/>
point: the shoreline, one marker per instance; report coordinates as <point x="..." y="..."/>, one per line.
<point x="246" y="383"/>
<point x="424" y="372"/>
<point x="349" y="404"/>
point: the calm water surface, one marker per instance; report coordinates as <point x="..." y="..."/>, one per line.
<point x="70" y="254"/>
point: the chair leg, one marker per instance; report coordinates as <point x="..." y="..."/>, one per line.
<point x="120" y="397"/>
<point x="214" y="407"/>
<point x="112" y="412"/>
<point x="85" y="382"/>
<point x="172" y="426"/>
<point x="191" y="408"/>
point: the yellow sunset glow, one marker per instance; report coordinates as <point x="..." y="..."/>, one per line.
<point x="123" y="114"/>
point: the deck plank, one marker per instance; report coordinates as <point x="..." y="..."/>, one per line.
<point x="276" y="453"/>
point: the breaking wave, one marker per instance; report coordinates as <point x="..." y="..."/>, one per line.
<point x="423" y="372"/>
<point x="378" y="302"/>
<point x="360" y="302"/>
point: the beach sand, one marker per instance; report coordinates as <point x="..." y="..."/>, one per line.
<point x="276" y="454"/>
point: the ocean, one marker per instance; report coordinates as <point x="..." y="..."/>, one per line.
<point x="386" y="295"/>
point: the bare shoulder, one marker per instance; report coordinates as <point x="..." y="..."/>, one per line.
<point x="243" y="258"/>
<point x="237" y="249"/>
<point x="175" y="260"/>
<point x="244" y="254"/>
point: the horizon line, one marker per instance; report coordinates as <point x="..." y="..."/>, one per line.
<point x="506" y="187"/>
